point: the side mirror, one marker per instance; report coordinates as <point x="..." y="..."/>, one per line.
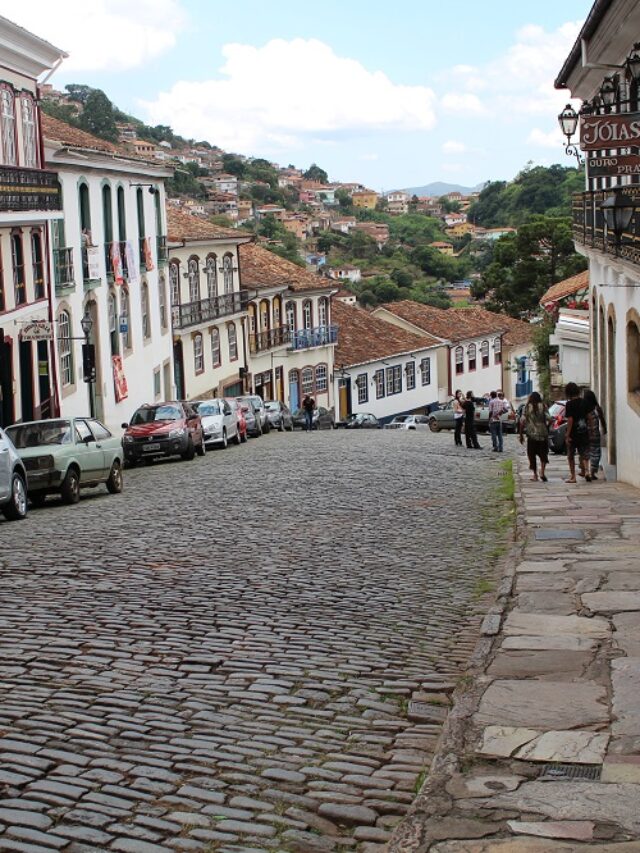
<point x="124" y="426"/>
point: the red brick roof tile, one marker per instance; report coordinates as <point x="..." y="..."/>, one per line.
<point x="261" y="268"/>
<point x="186" y="227"/>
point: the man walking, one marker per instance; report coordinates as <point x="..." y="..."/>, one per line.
<point x="308" y="404"/>
<point x="497" y="408"/>
<point x="470" y="433"/>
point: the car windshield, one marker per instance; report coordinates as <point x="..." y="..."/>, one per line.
<point x="272" y="406"/>
<point x="401" y="419"/>
<point x="43" y="433"/>
<point x="257" y="402"/>
<point x="149" y="414"/>
<point x="206" y="409"/>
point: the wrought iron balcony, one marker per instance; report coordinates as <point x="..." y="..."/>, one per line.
<point x="163" y="251"/>
<point x="319" y="336"/>
<point x="205" y="310"/>
<point x="263" y="341"/>
<point x="589" y="225"/>
<point x="29" y="190"/>
<point x="63" y="270"/>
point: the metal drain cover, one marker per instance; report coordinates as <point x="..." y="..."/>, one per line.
<point x="570" y="773"/>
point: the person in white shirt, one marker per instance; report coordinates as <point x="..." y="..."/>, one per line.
<point x="458" y="416"/>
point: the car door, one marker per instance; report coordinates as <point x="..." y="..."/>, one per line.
<point x="106" y="442"/>
<point x="229" y="419"/>
<point x="194" y="425"/>
<point x="422" y="422"/>
<point x="6" y="467"/>
<point x="89" y="452"/>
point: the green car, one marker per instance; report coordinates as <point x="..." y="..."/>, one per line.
<point x="64" y="455"/>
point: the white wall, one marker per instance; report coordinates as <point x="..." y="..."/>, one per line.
<point x="482" y="380"/>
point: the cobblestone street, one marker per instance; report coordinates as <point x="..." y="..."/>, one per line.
<point x="250" y="651"/>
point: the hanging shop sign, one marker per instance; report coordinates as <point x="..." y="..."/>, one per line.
<point x="616" y="166"/>
<point x="609" y="131"/>
<point x="37" y="330"/>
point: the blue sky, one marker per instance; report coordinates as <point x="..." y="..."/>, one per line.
<point x="391" y="94"/>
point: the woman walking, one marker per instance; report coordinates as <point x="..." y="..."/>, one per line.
<point x="458" y="418"/>
<point x="595" y="419"/>
<point x="577" y="436"/>
<point x="534" y="423"/>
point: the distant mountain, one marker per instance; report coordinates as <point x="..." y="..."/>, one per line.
<point x="438" y="188"/>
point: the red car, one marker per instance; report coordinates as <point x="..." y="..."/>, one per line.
<point x="239" y="413"/>
<point x="161" y="430"/>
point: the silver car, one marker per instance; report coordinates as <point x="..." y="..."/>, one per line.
<point x="219" y="422"/>
<point x="13" y="481"/>
<point x="412" y="422"/>
<point x="279" y="415"/>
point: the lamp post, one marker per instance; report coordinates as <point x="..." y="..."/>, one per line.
<point x="89" y="360"/>
<point x="568" y="121"/>
<point x="618" y="211"/>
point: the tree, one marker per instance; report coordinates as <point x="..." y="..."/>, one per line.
<point x="402" y="278"/>
<point x="78" y="92"/>
<point x="233" y="165"/>
<point x="315" y="173"/>
<point x="344" y="201"/>
<point x="449" y="205"/>
<point x="97" y="116"/>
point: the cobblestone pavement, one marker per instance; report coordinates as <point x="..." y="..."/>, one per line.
<point x="225" y="657"/>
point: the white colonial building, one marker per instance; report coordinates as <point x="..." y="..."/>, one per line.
<point x="110" y="266"/>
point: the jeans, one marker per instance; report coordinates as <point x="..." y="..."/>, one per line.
<point x="470" y="434"/>
<point x="308" y="419"/>
<point x="495" y="428"/>
<point x="458" y="431"/>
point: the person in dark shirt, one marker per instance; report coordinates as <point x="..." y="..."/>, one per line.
<point x="470" y="433"/>
<point x="308" y="404"/>
<point x="577" y="436"/>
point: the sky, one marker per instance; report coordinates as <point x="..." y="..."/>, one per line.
<point x="391" y="94"/>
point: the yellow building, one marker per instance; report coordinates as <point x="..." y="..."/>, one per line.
<point x="442" y="247"/>
<point x="365" y="198"/>
<point x="461" y="229"/>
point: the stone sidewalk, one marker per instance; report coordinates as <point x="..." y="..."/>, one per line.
<point x="542" y="749"/>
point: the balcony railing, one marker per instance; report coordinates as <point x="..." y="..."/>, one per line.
<point x="205" y="310"/>
<point x="29" y="189"/>
<point x="523" y="389"/>
<point x="108" y="259"/>
<point x="318" y="337"/>
<point x="163" y="251"/>
<point x="589" y="225"/>
<point x="263" y="341"/>
<point x="63" y="269"/>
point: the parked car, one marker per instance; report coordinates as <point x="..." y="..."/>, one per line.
<point x="409" y="422"/>
<point x="279" y="415"/>
<point x="237" y="409"/>
<point x="162" y="430"/>
<point x="13" y="481"/>
<point x="558" y="427"/>
<point x="260" y="411"/>
<point x="359" y="420"/>
<point x="64" y="455"/>
<point x="322" y="419"/>
<point x="219" y="422"/>
<point x="442" y="418"/>
<point x="251" y="416"/>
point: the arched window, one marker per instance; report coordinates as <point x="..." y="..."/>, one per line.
<point x="215" y="346"/>
<point x="307" y="380"/>
<point x="252" y="317"/>
<point x="484" y="353"/>
<point x="37" y="264"/>
<point x="212" y="277"/>
<point x="459" y="354"/>
<point x="162" y="300"/>
<point x="144" y="307"/>
<point x="112" y="319"/>
<point x="307" y="314"/>
<point x="194" y="280"/>
<point x="174" y="282"/>
<point x="125" y="318"/>
<point x="264" y="316"/>
<point x="472" y="356"/>
<point x="633" y="355"/>
<point x="64" y="348"/>
<point x="290" y="310"/>
<point x="497" y="351"/>
<point x="227" y="273"/>
<point x="198" y="353"/>
<point x="277" y="311"/>
<point x="8" y="122"/>
<point x="29" y="135"/>
<point x="233" y="341"/>
<point x="321" y="378"/>
<point x="122" y="215"/>
<point x="17" y="258"/>
<point x="323" y="311"/>
<point x="107" y="219"/>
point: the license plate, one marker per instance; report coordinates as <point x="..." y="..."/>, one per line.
<point x="154" y="446"/>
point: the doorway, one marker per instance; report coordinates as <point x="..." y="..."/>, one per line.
<point x="6" y="382"/>
<point x="612" y="453"/>
<point x="44" y="381"/>
<point x="294" y="390"/>
<point x="26" y="380"/>
<point x="178" y="371"/>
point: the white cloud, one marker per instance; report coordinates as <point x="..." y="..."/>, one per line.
<point x="553" y="139"/>
<point x="368" y="157"/>
<point x="104" y="35"/>
<point x="463" y="102"/>
<point x="286" y="93"/>
<point x="453" y="147"/>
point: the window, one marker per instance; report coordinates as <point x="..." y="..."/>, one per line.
<point x="83" y="432"/>
<point x="227" y="273"/>
<point x="194" y="280"/>
<point x="264" y="315"/>
<point x="215" y="346"/>
<point x="198" y="354"/>
<point x="212" y="277"/>
<point x="156" y="383"/>
<point x="497" y="351"/>
<point x="29" y="146"/>
<point x="484" y="353"/>
<point x="8" y="120"/>
<point x="290" y="310"/>
<point x="64" y="348"/>
<point x="321" y="378"/>
<point x="17" y="257"/>
<point x="233" y="341"/>
<point x="410" y="371"/>
<point x="107" y="221"/>
<point x="142" y="231"/>
<point x="394" y="380"/>
<point x="174" y="282"/>
<point x="162" y="300"/>
<point x="125" y="319"/>
<point x="362" y="384"/>
<point x="37" y="264"/>
<point x="307" y="380"/>
<point x="425" y="371"/>
<point x="459" y="360"/>
<point x="144" y="305"/>
<point x="471" y="356"/>
<point x="306" y="314"/>
<point x="122" y="217"/>
<point x="323" y="312"/>
<point x="252" y="318"/>
<point x="633" y="354"/>
<point x="100" y="432"/>
<point x="379" y="378"/>
<point x="112" y="319"/>
<point x="277" y="311"/>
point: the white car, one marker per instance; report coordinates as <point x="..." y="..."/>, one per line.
<point x="13" y="481"/>
<point x="219" y="422"/>
<point x="414" y="422"/>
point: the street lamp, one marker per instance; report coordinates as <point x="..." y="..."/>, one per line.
<point x="609" y="91"/>
<point x="568" y="121"/>
<point x="618" y="211"/>
<point x="89" y="360"/>
<point x="633" y="62"/>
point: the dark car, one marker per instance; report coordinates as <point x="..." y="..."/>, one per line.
<point x="359" y="420"/>
<point x="279" y="415"/>
<point x="161" y="430"/>
<point x="558" y="427"/>
<point x="322" y="419"/>
<point x="251" y="416"/>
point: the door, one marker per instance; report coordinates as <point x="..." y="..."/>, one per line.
<point x="178" y="371"/>
<point x="294" y="391"/>
<point x="90" y="453"/>
<point x="229" y="419"/>
<point x="344" y="400"/>
<point x="6" y="383"/>
<point x="26" y="380"/>
<point x="106" y="442"/>
<point x="44" y="383"/>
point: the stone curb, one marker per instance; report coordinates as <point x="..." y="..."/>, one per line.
<point x="433" y="801"/>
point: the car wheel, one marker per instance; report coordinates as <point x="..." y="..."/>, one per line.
<point x="281" y="425"/>
<point x="224" y="442"/>
<point x="190" y="452"/>
<point x="237" y="438"/>
<point x="114" y="483"/>
<point x="201" y="449"/>
<point x="16" y="507"/>
<point x="434" y="426"/>
<point x="290" y="427"/>
<point x="38" y="498"/>
<point x="70" y="490"/>
<point x="267" y="427"/>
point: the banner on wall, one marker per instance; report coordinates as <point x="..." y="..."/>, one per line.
<point x="119" y="379"/>
<point x="148" y="257"/>
<point x="131" y="264"/>
<point x="116" y="263"/>
<point x="93" y="262"/>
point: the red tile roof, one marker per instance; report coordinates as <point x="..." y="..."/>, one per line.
<point x="187" y="227"/>
<point x="71" y="137"/>
<point x="566" y="288"/>
<point x="363" y="337"/>
<point x="261" y="268"/>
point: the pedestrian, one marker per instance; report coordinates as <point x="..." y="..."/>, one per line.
<point x="471" y="436"/>
<point x="595" y="420"/>
<point x="497" y="408"/>
<point x="509" y="410"/>
<point x="458" y="417"/>
<point x="577" y="436"/>
<point x="309" y="405"/>
<point x="534" y="423"/>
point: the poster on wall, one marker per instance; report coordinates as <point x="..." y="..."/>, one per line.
<point x="119" y="379"/>
<point x="93" y="262"/>
<point x="148" y="257"/>
<point x="131" y="264"/>
<point x="116" y="263"/>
